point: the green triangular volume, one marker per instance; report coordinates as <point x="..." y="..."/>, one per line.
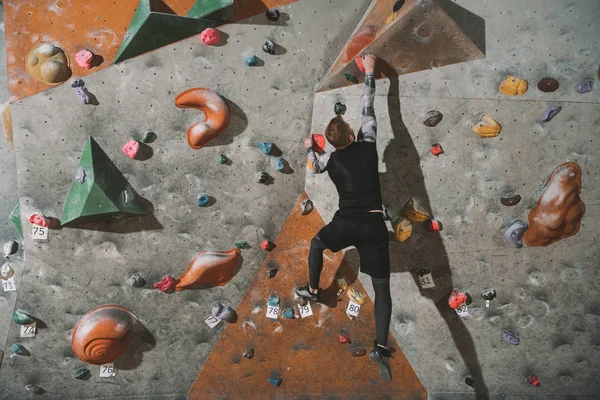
<point x="15" y="218"/>
<point x="99" y="191"/>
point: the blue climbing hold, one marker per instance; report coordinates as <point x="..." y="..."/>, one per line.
<point x="266" y="147"/>
<point x="585" y="86"/>
<point x="203" y="200"/>
<point x="511" y="338"/>
<point x="550" y="112"/>
<point x="273" y="300"/>
<point x="288" y="313"/>
<point x="275" y="381"/>
<point x="279" y="164"/>
<point x="18" y="348"/>
<point x="252" y="61"/>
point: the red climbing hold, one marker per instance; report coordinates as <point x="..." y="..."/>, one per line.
<point x="533" y="380"/>
<point x="343" y="339"/>
<point x="436" y="149"/>
<point x="267" y="245"/>
<point x="210" y="36"/>
<point x="359" y="64"/>
<point x="131" y="148"/>
<point x="166" y="284"/>
<point x="457" y="298"/>
<point x="39" y="220"/>
<point x="318" y="142"/>
<point x="434" y="225"/>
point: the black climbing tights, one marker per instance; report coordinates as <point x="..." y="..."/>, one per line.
<point x="315" y="261"/>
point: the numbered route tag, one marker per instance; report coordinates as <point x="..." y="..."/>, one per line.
<point x="353" y="309"/>
<point x="28" y="330"/>
<point x="462" y="310"/>
<point x="305" y="311"/>
<point x="107" y="370"/>
<point x="272" y="312"/>
<point x="39" y="233"/>
<point x="487" y="304"/>
<point x="426" y="281"/>
<point x="9" y="285"/>
<point x="212" y="321"/>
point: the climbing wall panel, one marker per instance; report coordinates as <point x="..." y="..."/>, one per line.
<point x="420" y="35"/>
<point x="298" y="350"/>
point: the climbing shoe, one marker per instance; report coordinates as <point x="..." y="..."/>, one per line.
<point x="305" y="293"/>
<point x="382" y="357"/>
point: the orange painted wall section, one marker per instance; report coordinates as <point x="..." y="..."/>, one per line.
<point x="74" y="25"/>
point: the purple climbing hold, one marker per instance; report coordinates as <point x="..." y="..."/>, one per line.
<point x="81" y="175"/>
<point x="584" y="86"/>
<point x="127" y="34"/>
<point x="83" y="94"/>
<point x="514" y="233"/>
<point x="551" y="112"/>
<point x="77" y="83"/>
<point x="511" y="338"/>
<point x="221" y="311"/>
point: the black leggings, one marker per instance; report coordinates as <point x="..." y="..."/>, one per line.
<point x="383" y="298"/>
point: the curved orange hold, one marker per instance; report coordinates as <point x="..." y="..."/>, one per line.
<point x="215" y="109"/>
<point x="213" y="268"/>
<point x="363" y="37"/>
<point x="102" y="335"/>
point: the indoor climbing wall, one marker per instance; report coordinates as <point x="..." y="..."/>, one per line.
<point x="546" y="296"/>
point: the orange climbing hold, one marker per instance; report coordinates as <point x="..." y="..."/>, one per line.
<point x="214" y="268"/>
<point x="513" y="85"/>
<point x="486" y="127"/>
<point x="363" y="37"/>
<point x="48" y="63"/>
<point x="216" y="112"/>
<point x="403" y="230"/>
<point x="414" y="212"/>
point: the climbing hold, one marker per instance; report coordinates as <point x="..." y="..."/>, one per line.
<point x="511" y="200"/>
<point x="532" y="379"/>
<point x="149" y="137"/>
<point x="414" y="212"/>
<point x="81" y="175"/>
<point x="403" y="229"/>
<point x="262" y="177"/>
<point x="398" y="5"/>
<point x="469" y="381"/>
<point x="82" y="374"/>
<point x="77" y="83"/>
<point x="272" y="272"/>
<point x="456" y="298"/>
<point x="222" y="158"/>
<point x="241" y="244"/>
<point x="511" y="338"/>
<point x="203" y="200"/>
<point x="550" y="112"/>
<point x="585" y="86"/>
<point x="102" y="334"/>
<point x="48" y="63"/>
<point x="559" y="210"/>
<point x="341" y="283"/>
<point x="358" y="351"/>
<point x="131" y="148"/>
<point x="356" y="296"/>
<point x="83" y="94"/>
<point x="221" y="311"/>
<point x="214" y="268"/>
<point x="306" y="206"/>
<point x="22" y="318"/>
<point x="288" y="312"/>
<point x="10" y="248"/>
<point x="486" y="127"/>
<point x="513" y="85"/>
<point x="249" y="353"/>
<point x="84" y="58"/>
<point x="6" y="271"/>
<point x="318" y="142"/>
<point x="269" y="47"/>
<point x="339" y="108"/>
<point x="343" y="339"/>
<point x="436" y="149"/>
<point x="302" y="301"/>
<point x="489" y="294"/>
<point x="434" y="225"/>
<point x="548" y="85"/>
<point x="216" y="115"/>
<point x="267" y="245"/>
<point x="166" y="284"/>
<point x="273" y="300"/>
<point x="515" y="232"/>
<point x="136" y="280"/>
<point x="266" y="147"/>
<point x="33" y="389"/>
<point x="252" y="60"/>
<point x="210" y="36"/>
<point x="275" y="381"/>
<point x="15" y="218"/>
<point x="279" y="165"/>
<point x="39" y="219"/>
<point x="273" y="15"/>
<point x="432" y="118"/>
<point x="350" y="78"/>
<point x="359" y="63"/>
<point x="19" y="349"/>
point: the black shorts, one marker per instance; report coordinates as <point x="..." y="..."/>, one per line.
<point x="365" y="231"/>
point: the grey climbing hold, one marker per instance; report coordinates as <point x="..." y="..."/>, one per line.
<point x="81" y="175"/>
<point x="252" y="60"/>
<point x="339" y="108"/>
<point x="550" y="112"/>
<point x="221" y="311"/>
<point x="585" y="86"/>
<point x="249" y="353"/>
<point x="511" y="200"/>
<point x="423" y="270"/>
<point x="279" y="165"/>
<point x="266" y="147"/>
<point x="273" y="15"/>
<point x="136" y="280"/>
<point x="432" y="118"/>
<point x="10" y="248"/>
<point x="514" y="233"/>
<point x="489" y="294"/>
<point x="273" y="300"/>
<point x="126" y="36"/>
<point x="469" y="381"/>
<point x="511" y="338"/>
<point x="262" y="177"/>
<point x="269" y="47"/>
<point x="306" y="206"/>
<point x="82" y="374"/>
<point x="6" y="271"/>
<point x="33" y="389"/>
<point x="20" y="317"/>
<point x="149" y="137"/>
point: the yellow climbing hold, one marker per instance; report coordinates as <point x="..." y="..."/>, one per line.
<point x="391" y="17"/>
<point x="356" y="296"/>
<point x="513" y="85"/>
<point x="486" y="127"/>
<point x="403" y="230"/>
<point x="414" y="212"/>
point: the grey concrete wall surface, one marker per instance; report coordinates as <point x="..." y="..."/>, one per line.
<point x="547" y="295"/>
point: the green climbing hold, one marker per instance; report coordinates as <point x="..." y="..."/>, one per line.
<point x="222" y="158"/>
<point x="21" y="318"/>
<point x="214" y="10"/>
<point x="350" y="78"/>
<point x="82" y="374"/>
<point x="241" y="244"/>
<point x="104" y="195"/>
<point x="15" y="218"/>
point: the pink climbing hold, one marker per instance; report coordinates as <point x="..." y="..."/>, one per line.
<point x="85" y="58"/>
<point x="166" y="284"/>
<point x="267" y="245"/>
<point x="210" y="36"/>
<point x="131" y="148"/>
<point x="39" y="219"/>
